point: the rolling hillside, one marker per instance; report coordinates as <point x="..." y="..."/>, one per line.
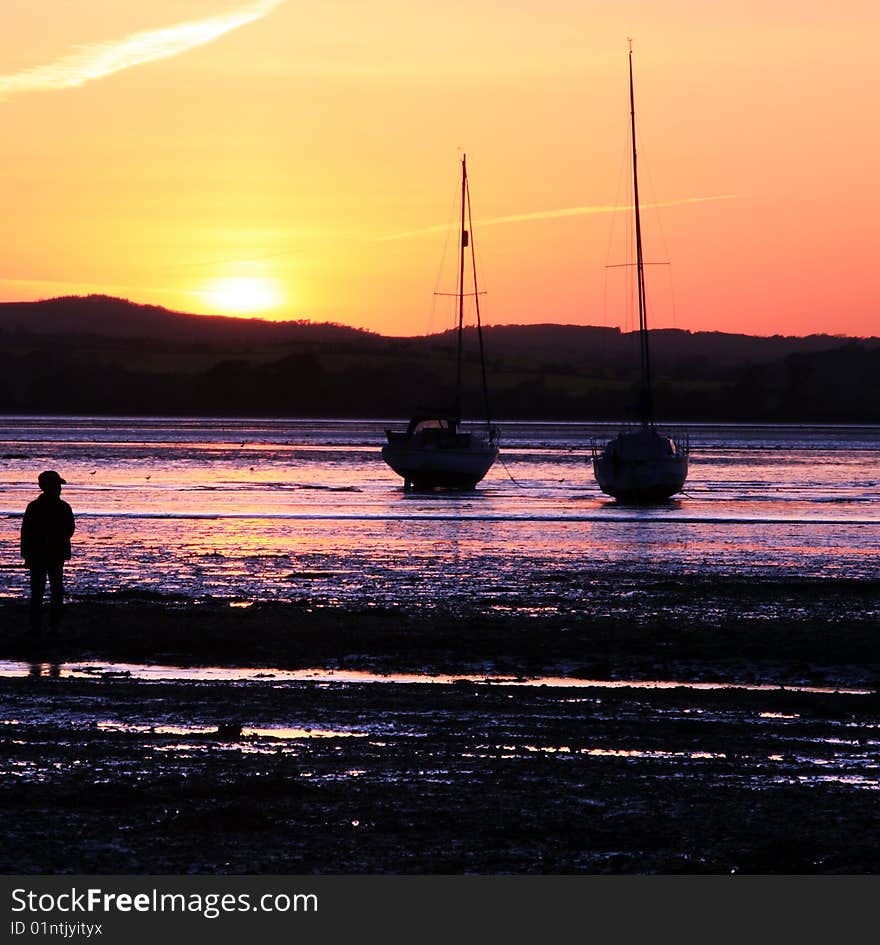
<point x="105" y="355"/>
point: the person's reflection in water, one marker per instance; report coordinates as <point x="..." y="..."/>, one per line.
<point x="46" y="530"/>
<point x="45" y="670"/>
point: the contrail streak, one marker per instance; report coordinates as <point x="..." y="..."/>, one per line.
<point x="98" y="60"/>
<point x="551" y="215"/>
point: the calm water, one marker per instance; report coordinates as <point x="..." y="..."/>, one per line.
<point x="307" y="510"/>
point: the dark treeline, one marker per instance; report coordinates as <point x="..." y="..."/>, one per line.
<point x="107" y="356"/>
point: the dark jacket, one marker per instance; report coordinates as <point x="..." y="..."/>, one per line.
<point x="46" y="530"/>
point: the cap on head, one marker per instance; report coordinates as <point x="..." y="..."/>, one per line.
<point x="50" y="478"/>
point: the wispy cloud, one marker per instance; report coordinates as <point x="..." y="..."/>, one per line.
<point x="550" y="215"/>
<point x="98" y="60"/>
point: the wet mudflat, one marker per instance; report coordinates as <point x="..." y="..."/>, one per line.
<point x="110" y="776"/>
<point x="107" y="773"/>
<point x="784" y="632"/>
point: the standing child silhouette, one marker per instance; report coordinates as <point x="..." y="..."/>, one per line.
<point x="46" y="530"/>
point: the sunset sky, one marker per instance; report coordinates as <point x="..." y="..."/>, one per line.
<point x="300" y="158"/>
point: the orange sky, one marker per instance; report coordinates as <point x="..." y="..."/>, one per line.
<point x="255" y="156"/>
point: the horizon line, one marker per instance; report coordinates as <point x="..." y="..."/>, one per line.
<point x="371" y="331"/>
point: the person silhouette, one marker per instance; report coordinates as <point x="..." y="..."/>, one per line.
<point x="46" y="530"/>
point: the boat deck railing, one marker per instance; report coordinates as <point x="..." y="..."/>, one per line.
<point x="681" y="439"/>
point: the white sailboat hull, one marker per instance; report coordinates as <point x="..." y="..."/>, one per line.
<point x="641" y="466"/>
<point x="426" y="465"/>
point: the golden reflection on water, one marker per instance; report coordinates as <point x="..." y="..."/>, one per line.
<point x="138" y="671"/>
<point x="788" y="501"/>
<point x="246" y="732"/>
<point x="626" y="752"/>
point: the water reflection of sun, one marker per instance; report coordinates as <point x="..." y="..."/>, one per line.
<point x="242" y="295"/>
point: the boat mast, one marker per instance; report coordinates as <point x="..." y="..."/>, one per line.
<point x="646" y="405"/>
<point x="470" y="224"/>
<point x="464" y="242"/>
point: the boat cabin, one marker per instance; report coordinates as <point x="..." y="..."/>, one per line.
<point x="425" y="424"/>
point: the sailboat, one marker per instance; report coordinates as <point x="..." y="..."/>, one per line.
<point x="641" y="464"/>
<point x="436" y="451"/>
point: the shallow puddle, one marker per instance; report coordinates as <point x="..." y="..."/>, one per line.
<point x="157" y="673"/>
<point x="242" y="732"/>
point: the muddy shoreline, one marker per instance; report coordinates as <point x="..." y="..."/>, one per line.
<point x="115" y="775"/>
<point x="782" y="632"/>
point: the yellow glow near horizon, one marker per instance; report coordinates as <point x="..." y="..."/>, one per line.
<point x="242" y="295"/>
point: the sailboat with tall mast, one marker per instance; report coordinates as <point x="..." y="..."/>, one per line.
<point x="641" y="464"/>
<point x="436" y="451"/>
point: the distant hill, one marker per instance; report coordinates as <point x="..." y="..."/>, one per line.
<point x="670" y="347"/>
<point x="101" y="316"/>
<point x="105" y="355"/>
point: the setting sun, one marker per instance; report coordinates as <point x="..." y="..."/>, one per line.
<point x="242" y="295"/>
